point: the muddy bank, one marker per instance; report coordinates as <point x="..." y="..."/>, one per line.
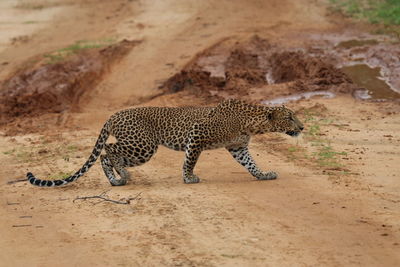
<point x="221" y="69"/>
<point x="308" y="73"/>
<point x="54" y="84"/>
<point x="257" y="69"/>
<point x="372" y="62"/>
<point x="237" y="69"/>
<point x="375" y="53"/>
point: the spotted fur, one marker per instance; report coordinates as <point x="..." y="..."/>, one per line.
<point x="139" y="132"/>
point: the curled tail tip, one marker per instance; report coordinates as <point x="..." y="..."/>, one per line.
<point x="44" y="183"/>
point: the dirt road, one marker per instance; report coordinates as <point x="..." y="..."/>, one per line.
<point x="345" y="213"/>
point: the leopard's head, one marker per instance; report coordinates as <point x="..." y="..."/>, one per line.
<point x="258" y="119"/>
<point x="274" y="119"/>
<point x="284" y="120"/>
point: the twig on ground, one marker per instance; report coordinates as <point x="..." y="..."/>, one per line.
<point x="21" y="225"/>
<point x="17" y="181"/>
<point x="103" y="196"/>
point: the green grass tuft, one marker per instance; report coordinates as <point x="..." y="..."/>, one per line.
<point x="385" y="13"/>
<point x="78" y="46"/>
<point x="379" y="11"/>
<point x="9" y="152"/>
<point x="324" y="155"/>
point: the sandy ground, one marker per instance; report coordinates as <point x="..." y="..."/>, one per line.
<point x="313" y="215"/>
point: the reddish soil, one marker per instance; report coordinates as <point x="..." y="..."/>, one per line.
<point x="57" y="87"/>
<point x="220" y="68"/>
<point x="230" y="69"/>
<point x="335" y="203"/>
<point x="308" y="73"/>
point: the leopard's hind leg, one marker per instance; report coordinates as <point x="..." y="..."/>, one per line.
<point x="108" y="169"/>
<point x="121" y="155"/>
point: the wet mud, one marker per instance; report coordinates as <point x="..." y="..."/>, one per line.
<point x="308" y="73"/>
<point x="235" y="69"/>
<point x="45" y="87"/>
<point x="249" y="68"/>
<point x="225" y="69"/>
<point x="356" y="43"/>
<point x="371" y="81"/>
<point x="372" y="64"/>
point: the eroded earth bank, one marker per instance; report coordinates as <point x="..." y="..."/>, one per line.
<point x="66" y="66"/>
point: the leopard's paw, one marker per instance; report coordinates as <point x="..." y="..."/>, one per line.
<point x="267" y="176"/>
<point x="191" y="179"/>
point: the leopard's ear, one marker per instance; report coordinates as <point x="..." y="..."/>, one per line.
<point x="273" y="113"/>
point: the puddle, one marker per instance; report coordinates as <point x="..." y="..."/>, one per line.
<point x="361" y="94"/>
<point x="355" y="43"/>
<point x="370" y="79"/>
<point x="296" y="97"/>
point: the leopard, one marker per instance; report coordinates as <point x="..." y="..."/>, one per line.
<point x="140" y="131"/>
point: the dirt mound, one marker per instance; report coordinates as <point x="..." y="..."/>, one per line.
<point x="308" y="73"/>
<point x="223" y="70"/>
<point x="56" y="87"/>
<point x="193" y="80"/>
<point x="243" y="70"/>
<point x="250" y="69"/>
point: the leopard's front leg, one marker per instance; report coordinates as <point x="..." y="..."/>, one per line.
<point x="192" y="153"/>
<point x="242" y="155"/>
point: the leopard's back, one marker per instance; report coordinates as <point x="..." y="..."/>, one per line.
<point x="168" y="126"/>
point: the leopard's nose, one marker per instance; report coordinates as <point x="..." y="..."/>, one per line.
<point x="301" y="128"/>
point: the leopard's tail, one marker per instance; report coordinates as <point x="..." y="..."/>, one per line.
<point x="104" y="134"/>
